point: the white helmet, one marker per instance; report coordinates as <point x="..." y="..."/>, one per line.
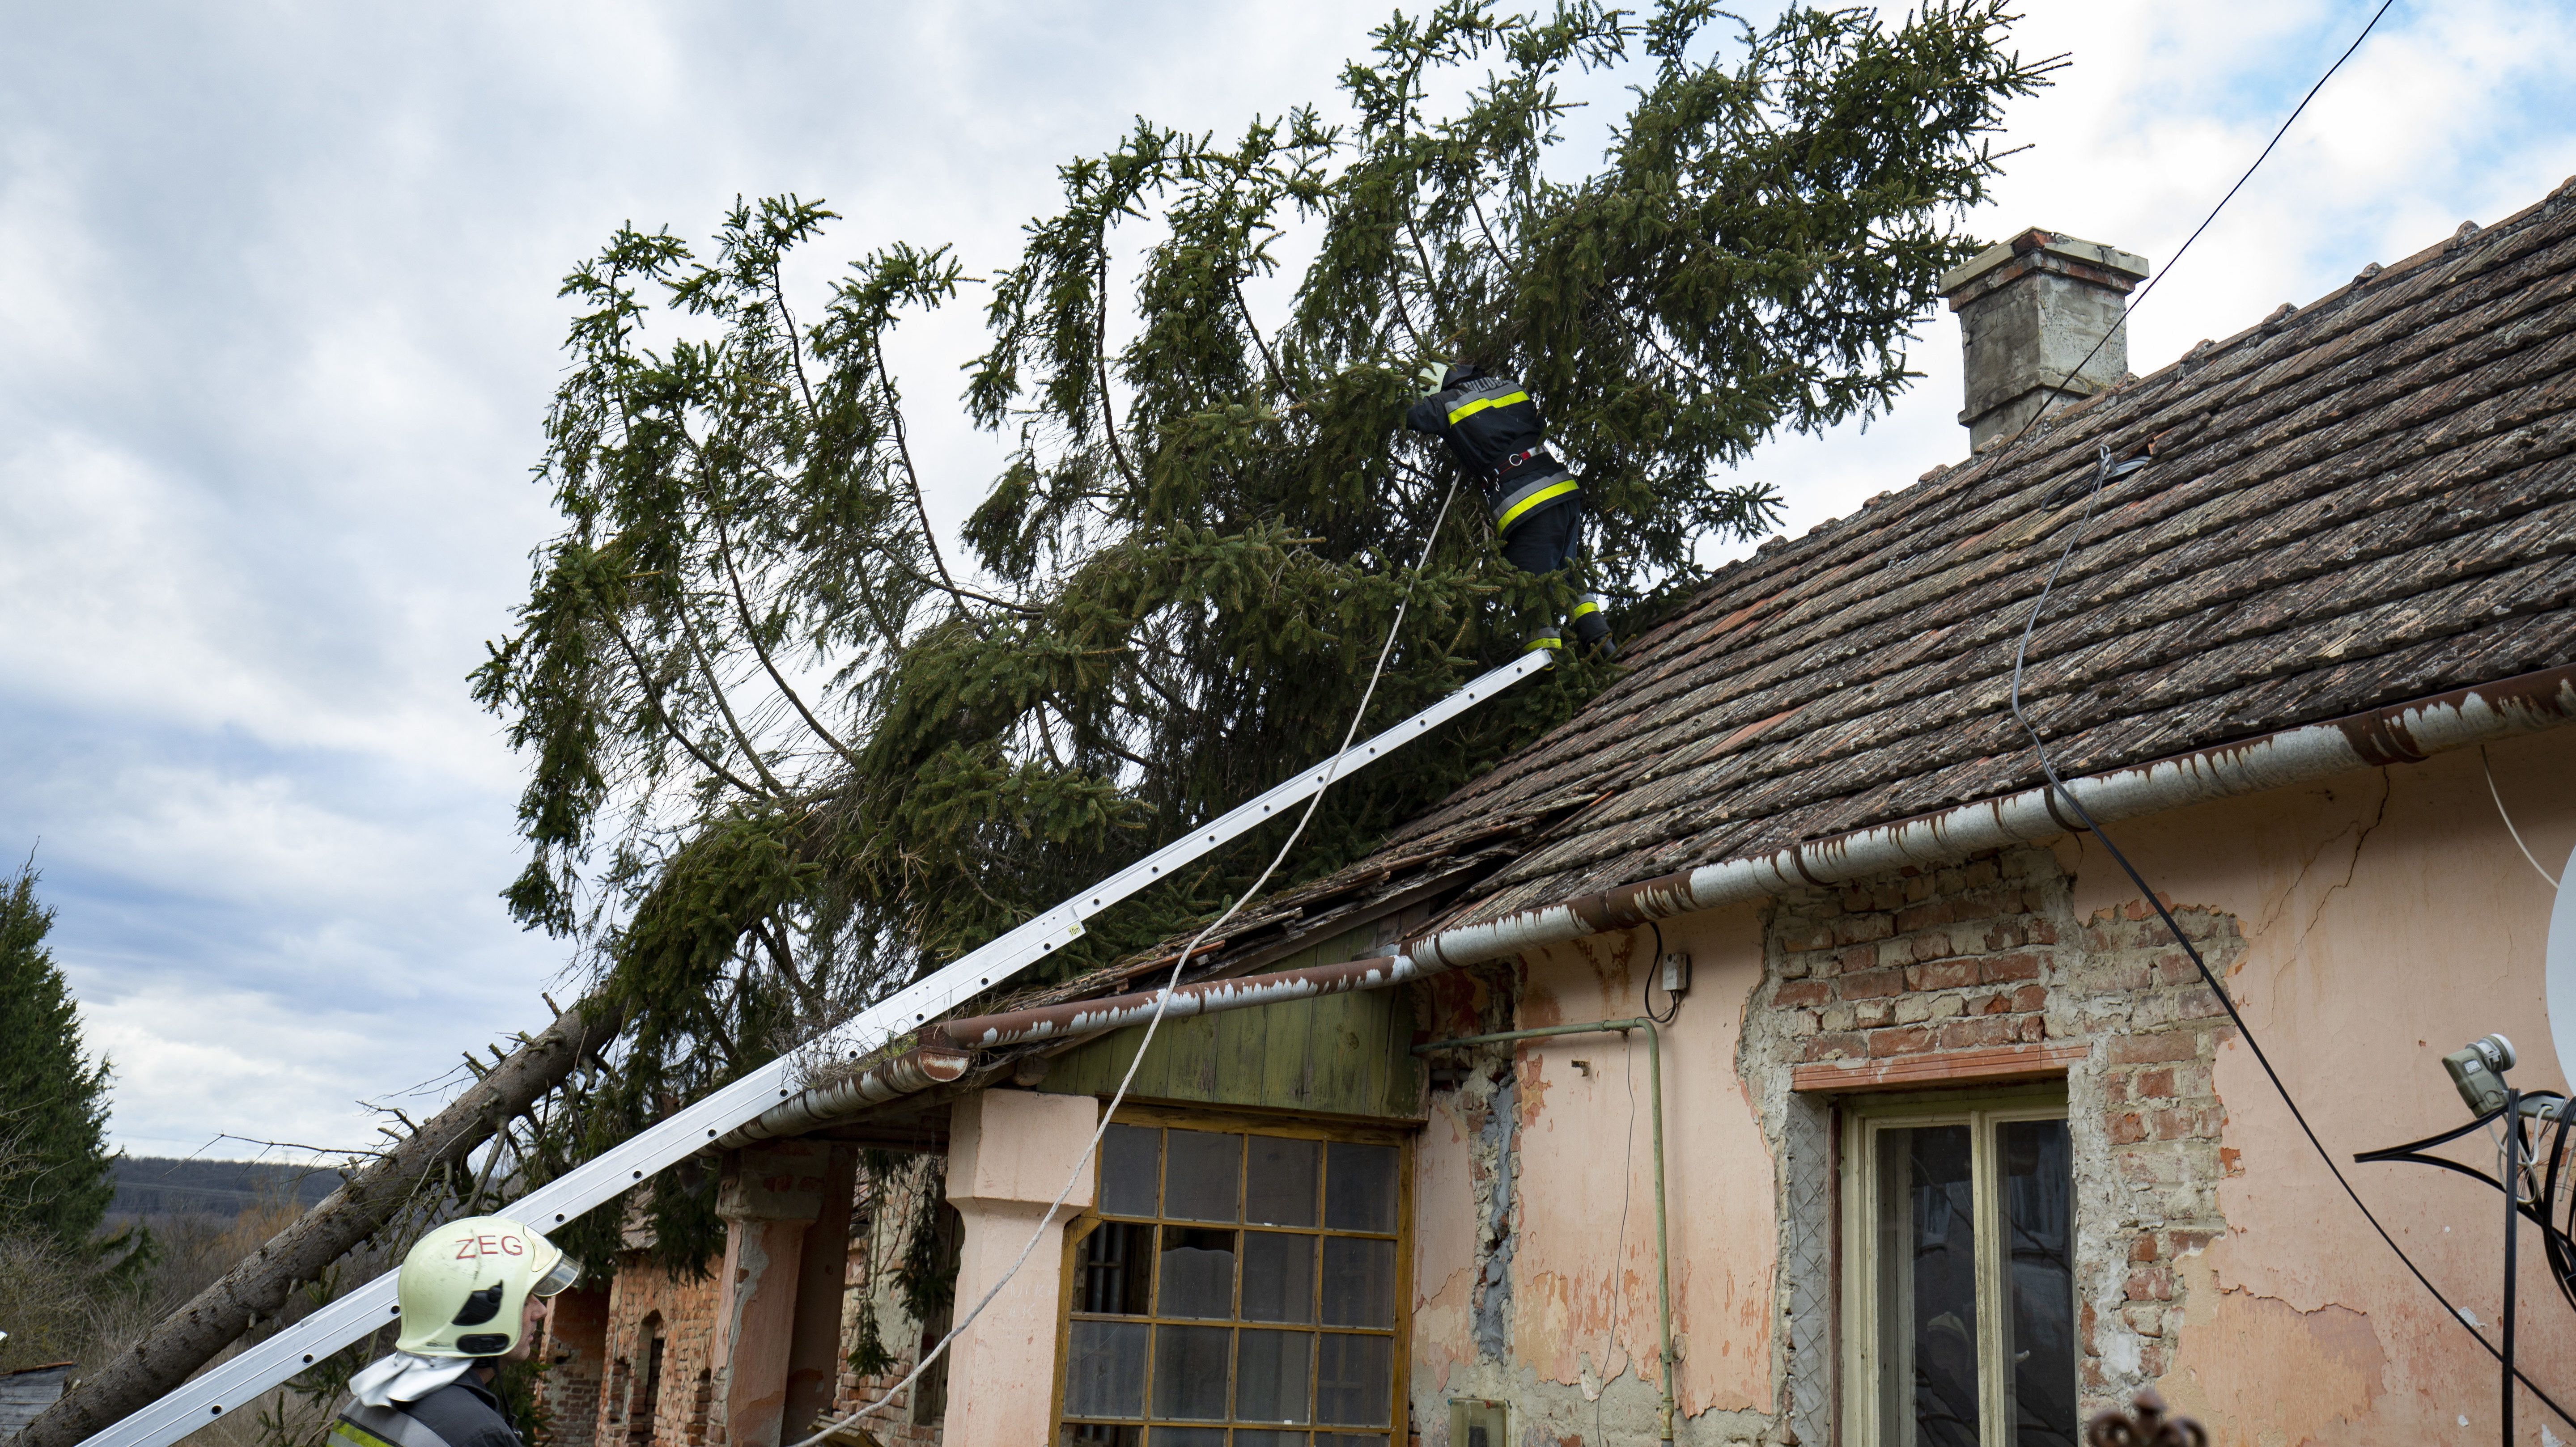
<point x="464" y="1288"/>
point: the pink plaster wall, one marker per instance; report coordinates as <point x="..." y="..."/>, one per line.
<point x="1444" y="1247"/>
<point x="2388" y="919"/>
<point x="1584" y="1299"/>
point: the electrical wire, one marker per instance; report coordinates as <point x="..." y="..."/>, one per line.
<point x="1163" y="999"/>
<point x="2508" y="819"/>
<point x="2103" y="474"/>
<point x="2149" y="289"/>
<point x="1654" y="972"/>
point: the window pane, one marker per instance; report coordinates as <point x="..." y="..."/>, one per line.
<point x="1278" y="1277"/>
<point x="1197" y="1271"/>
<point x="1104" y="1370"/>
<point x="1205" y="1179"/>
<point x="1189" y="1372"/>
<point x="1117" y="1269"/>
<point x="1103" y="1434"/>
<point x="1130" y="1158"/>
<point x="1270" y="1375"/>
<point x="1359" y="1282"/>
<point x="1189" y="1437"/>
<point x="1354" y="1380"/>
<point x="2038" y="1176"/>
<point x="1359" y="1188"/>
<point x="1364" y="1439"/>
<point x="1244" y="1438"/>
<point x="1927" y="1287"/>
<point x="1279" y="1181"/>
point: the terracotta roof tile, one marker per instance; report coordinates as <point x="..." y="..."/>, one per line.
<point x="2370" y="499"/>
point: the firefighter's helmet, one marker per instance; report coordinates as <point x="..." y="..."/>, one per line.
<point x="464" y="1288"/>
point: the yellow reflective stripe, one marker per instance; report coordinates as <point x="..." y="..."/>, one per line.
<point x="1588" y="605"/>
<point x="1481" y="403"/>
<point x="1549" y="642"/>
<point x="1544" y="494"/>
<point x="357" y="1434"/>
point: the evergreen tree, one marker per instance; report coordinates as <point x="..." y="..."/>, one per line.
<point x="788" y="750"/>
<point x="53" y="1097"/>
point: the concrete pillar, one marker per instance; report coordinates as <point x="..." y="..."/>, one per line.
<point x="1009" y="1152"/>
<point x="770" y="1194"/>
<point x="2031" y="310"/>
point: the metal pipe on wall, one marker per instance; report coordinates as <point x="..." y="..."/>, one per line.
<point x="1663" y="1244"/>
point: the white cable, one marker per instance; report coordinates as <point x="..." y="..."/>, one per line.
<point x="2508" y="818"/>
<point x="1163" y="999"/>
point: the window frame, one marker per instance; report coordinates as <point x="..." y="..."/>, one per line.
<point x="1305" y="1127"/>
<point x="1857" y="1258"/>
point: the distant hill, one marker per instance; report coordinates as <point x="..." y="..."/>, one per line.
<point x="163" y="1186"/>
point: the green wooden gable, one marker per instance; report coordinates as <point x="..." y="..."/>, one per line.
<point x="1339" y="1054"/>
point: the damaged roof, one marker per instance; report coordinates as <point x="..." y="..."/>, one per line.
<point x="2354" y="503"/>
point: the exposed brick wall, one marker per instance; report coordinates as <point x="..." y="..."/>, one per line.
<point x="880" y="1223"/>
<point x="576" y="1357"/>
<point x="1913" y="967"/>
<point x="1916" y="964"/>
<point x="641" y="1296"/>
<point x="643" y="1299"/>
<point x="2157" y="1029"/>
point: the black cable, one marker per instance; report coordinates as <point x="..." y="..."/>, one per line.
<point x="2512" y="1233"/>
<point x="2149" y="288"/>
<point x="1654" y="970"/>
<point x="2058" y="790"/>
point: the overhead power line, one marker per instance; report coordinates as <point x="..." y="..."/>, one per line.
<point x="2104" y="473"/>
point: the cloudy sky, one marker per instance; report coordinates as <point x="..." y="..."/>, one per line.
<point x="278" y="326"/>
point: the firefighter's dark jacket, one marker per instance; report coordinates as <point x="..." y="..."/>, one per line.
<point x="464" y="1413"/>
<point x="1493" y="429"/>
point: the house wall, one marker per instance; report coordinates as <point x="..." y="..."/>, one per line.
<point x="2366" y="925"/>
<point x="641" y="1298"/>
<point x="2388" y="919"/>
<point x="576" y="1355"/>
<point x="643" y="1301"/>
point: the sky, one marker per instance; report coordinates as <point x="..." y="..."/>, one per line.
<point x="278" y="328"/>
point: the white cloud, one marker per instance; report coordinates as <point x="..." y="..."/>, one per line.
<point x="2447" y="113"/>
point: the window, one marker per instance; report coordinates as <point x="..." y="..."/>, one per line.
<point x="1237" y="1282"/>
<point x="647" y="1402"/>
<point x="1958" y="1274"/>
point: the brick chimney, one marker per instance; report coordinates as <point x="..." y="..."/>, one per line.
<point x="2029" y="309"/>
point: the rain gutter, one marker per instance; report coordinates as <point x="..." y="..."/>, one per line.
<point x="910" y="1073"/>
<point x="2399" y="733"/>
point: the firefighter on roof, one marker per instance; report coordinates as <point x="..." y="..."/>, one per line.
<point x="1493" y="429"/>
<point x="473" y="1295"/>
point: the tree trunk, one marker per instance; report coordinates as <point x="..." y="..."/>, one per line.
<point x="258" y="1285"/>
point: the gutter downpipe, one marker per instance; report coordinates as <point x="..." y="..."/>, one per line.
<point x="1663" y="1249"/>
<point x="2398" y="733"/>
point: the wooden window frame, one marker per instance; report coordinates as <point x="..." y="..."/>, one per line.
<point x="1398" y="1134"/>
<point x="1857" y="1257"/>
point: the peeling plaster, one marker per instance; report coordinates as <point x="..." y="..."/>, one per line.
<point x="2271" y="1371"/>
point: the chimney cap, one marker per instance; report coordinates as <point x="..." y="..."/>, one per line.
<point x="2039" y="248"/>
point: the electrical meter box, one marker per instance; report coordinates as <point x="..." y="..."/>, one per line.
<point x="1477" y="1422"/>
